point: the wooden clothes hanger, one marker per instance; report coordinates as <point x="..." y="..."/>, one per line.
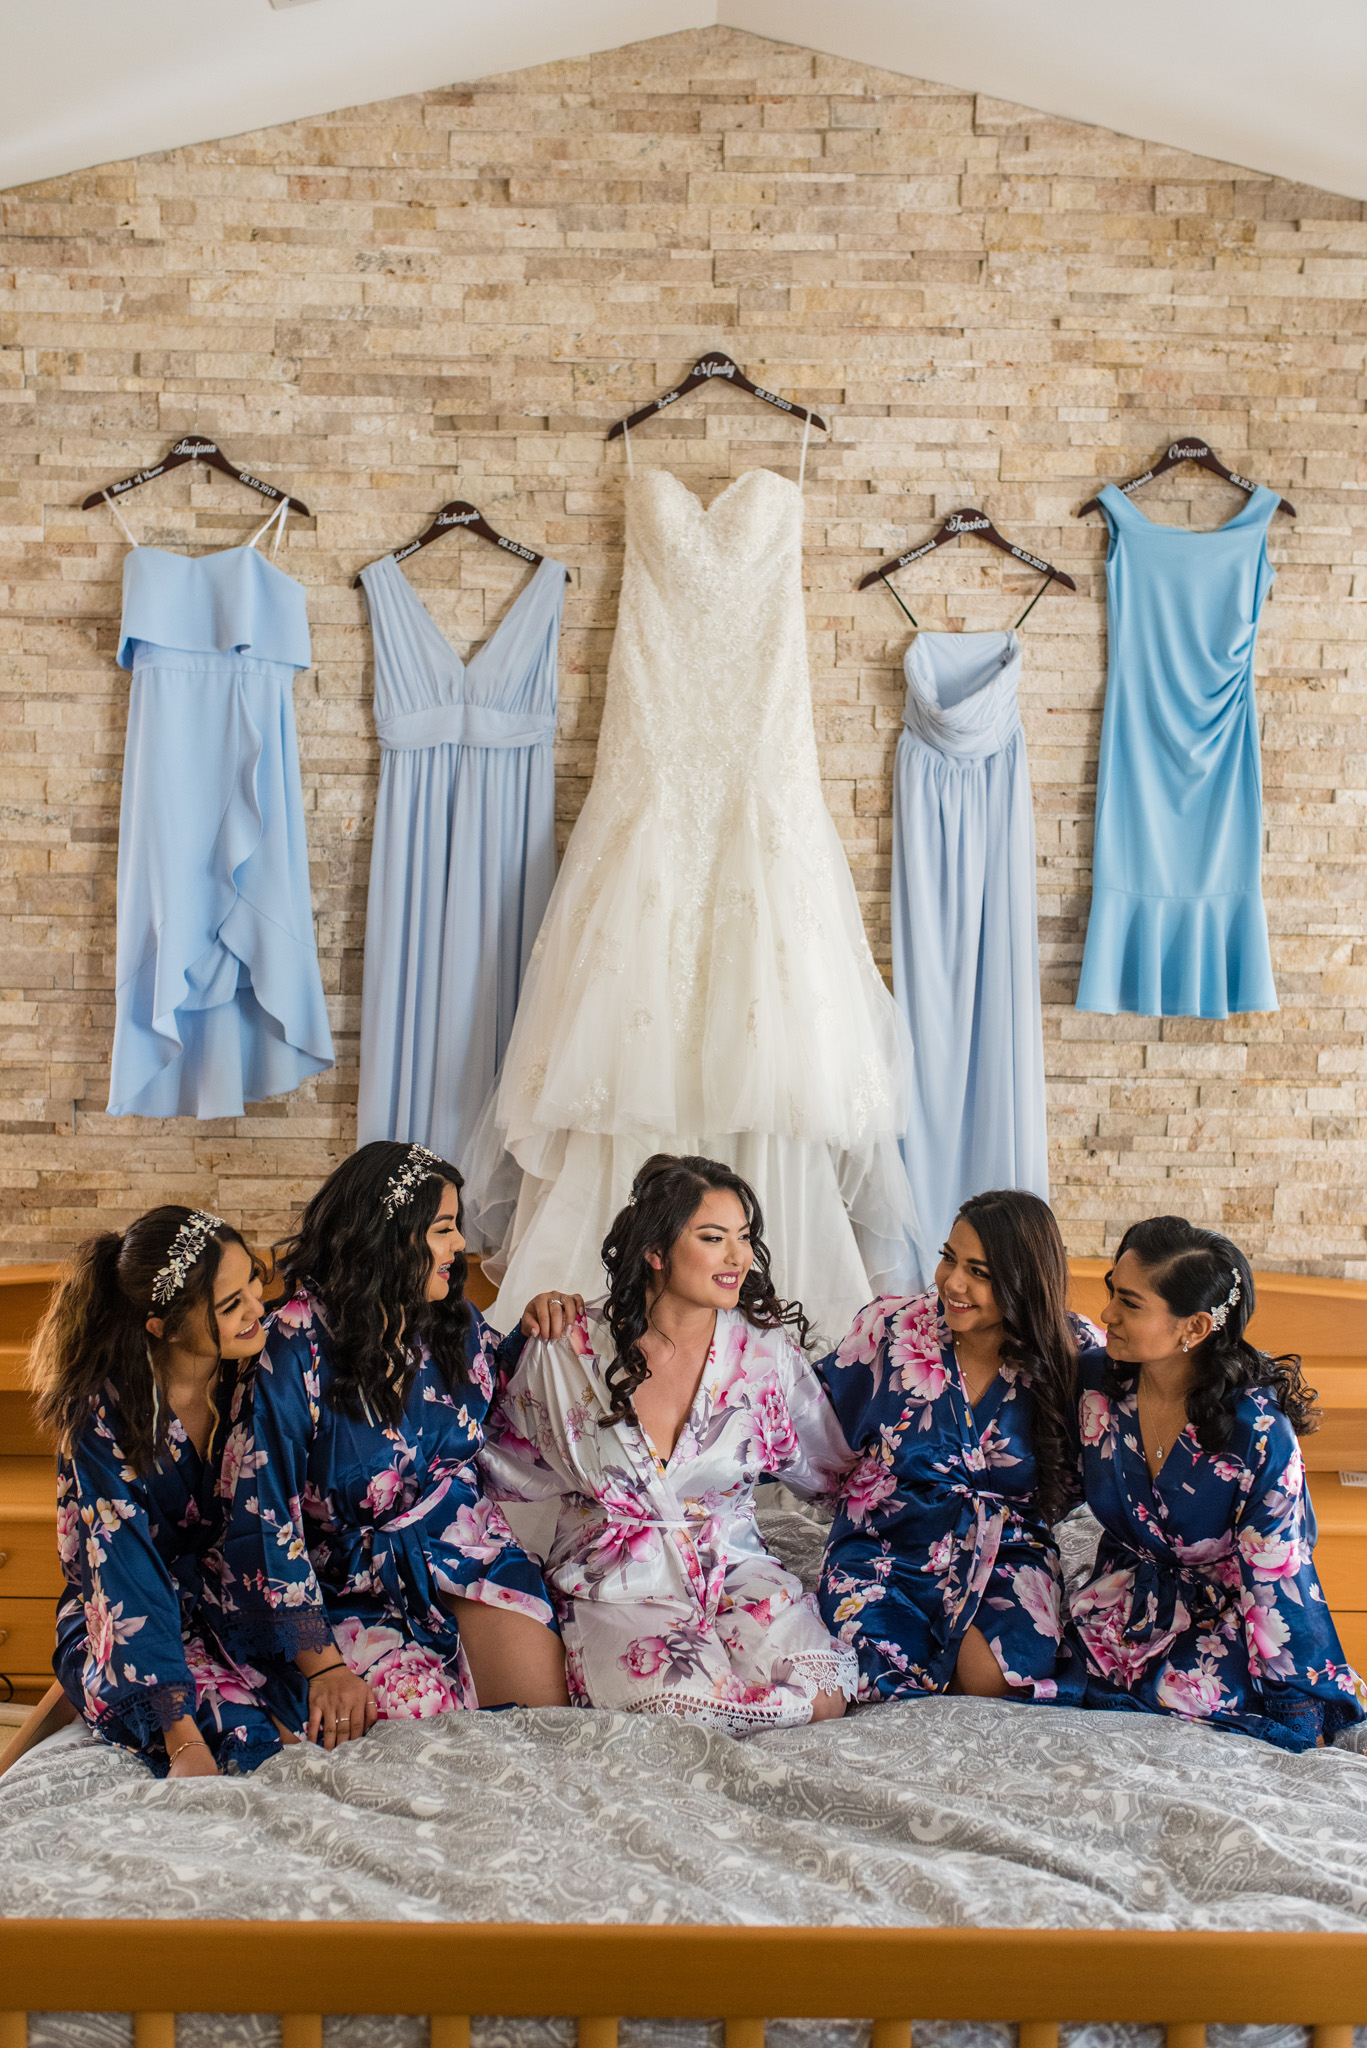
<point x="969" y="520"/>
<point x="708" y="367"/>
<point x="460" y="515"/>
<point x="192" y="449"/>
<point x="1187" y="451"/>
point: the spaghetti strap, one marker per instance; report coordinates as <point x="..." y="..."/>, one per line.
<point x="802" y="466"/>
<point x="279" y="514"/>
<point x="626" y="436"/>
<point x="113" y="505"/>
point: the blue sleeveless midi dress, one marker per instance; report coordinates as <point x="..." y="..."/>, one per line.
<point x="463" y="856"/>
<point x="965" y="931"/>
<point x="1177" y="926"/>
<point x="219" y="1001"/>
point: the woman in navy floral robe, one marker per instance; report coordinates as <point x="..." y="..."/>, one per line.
<point x="942" y="1570"/>
<point x="135" y="1367"/>
<point x="1203" y="1600"/>
<point x="367" y="1572"/>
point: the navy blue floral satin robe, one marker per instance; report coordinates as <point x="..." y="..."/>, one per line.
<point x="1204" y="1600"/>
<point x="348" y="1533"/>
<point x="938" y="1527"/>
<point x="140" y="1638"/>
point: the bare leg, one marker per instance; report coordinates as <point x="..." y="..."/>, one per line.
<point x="512" y="1658"/>
<point x="977" y="1670"/>
<point x="828" y="1706"/>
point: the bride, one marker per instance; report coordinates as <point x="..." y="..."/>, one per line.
<point x="702" y="982"/>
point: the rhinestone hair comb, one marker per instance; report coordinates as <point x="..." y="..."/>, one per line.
<point x="187" y="1247"/>
<point x="1221" y="1309"/>
<point x="415" y="1170"/>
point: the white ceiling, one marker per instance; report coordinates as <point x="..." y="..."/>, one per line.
<point x="1276" y="87"/>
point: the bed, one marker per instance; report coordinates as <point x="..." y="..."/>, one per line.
<point x="955" y="1863"/>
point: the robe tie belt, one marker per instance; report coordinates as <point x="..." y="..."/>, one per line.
<point x="1161" y="1584"/>
<point x="399" y="1561"/>
<point x="464" y="725"/>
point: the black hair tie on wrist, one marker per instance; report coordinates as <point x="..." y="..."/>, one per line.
<point x="340" y="1665"/>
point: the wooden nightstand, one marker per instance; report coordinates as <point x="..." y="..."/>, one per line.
<point x="30" y="1576"/>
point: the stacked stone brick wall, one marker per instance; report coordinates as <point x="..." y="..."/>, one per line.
<point x="456" y="293"/>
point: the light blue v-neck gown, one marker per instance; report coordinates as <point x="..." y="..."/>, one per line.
<point x="463" y="856"/>
<point x="965" y="934"/>
<point x="1177" y="926"/>
<point x="219" y="1000"/>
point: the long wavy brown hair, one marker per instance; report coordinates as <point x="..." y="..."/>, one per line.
<point x="1028" y="1267"/>
<point x="370" y="1269"/>
<point x="93" y="1343"/>
<point x="664" y="1196"/>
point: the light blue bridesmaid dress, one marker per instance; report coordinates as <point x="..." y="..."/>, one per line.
<point x="1177" y="926"/>
<point x="219" y="1001"/>
<point x="463" y="856"/>
<point x="965" y="933"/>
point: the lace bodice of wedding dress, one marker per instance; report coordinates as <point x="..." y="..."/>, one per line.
<point x="702" y="980"/>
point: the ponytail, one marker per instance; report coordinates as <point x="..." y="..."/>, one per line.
<point x="93" y="1343"/>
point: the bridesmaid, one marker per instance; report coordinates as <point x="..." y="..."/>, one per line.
<point x="1203" y="1601"/>
<point x="367" y="1570"/>
<point x="942" y="1572"/>
<point x="134" y="1368"/>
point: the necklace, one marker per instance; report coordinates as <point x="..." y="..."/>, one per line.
<point x="1160" y="1448"/>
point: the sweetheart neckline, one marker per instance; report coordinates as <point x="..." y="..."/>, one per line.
<point x="725" y="492"/>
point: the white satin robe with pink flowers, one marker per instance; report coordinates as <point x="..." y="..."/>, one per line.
<point x="668" y="1600"/>
<point x="1204" y="1600"/>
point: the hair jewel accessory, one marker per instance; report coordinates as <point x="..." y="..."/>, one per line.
<point x="1222" y="1308"/>
<point x="187" y="1246"/>
<point x="415" y="1170"/>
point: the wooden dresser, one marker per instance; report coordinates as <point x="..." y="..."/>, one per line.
<point x="1326" y="1320"/>
<point x="30" y="1577"/>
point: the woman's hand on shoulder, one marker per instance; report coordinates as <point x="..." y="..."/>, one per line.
<point x="548" y="1316"/>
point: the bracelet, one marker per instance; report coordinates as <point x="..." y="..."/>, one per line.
<point x="188" y="1743"/>
<point x="340" y="1665"/>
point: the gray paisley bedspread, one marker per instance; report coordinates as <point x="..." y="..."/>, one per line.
<point x="946" y="1812"/>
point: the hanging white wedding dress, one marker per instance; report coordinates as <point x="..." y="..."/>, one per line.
<point x="702" y="981"/>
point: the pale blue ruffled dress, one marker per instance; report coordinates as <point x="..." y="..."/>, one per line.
<point x="219" y="998"/>
<point x="1177" y="926"/>
<point x="965" y="932"/>
<point x="463" y="857"/>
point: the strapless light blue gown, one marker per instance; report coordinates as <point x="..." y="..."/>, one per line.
<point x="463" y="857"/>
<point x="219" y="998"/>
<point x="1177" y="926"/>
<point x="965" y="931"/>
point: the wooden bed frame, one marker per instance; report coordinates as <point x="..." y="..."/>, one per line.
<point x="1035" y="1980"/>
<point x="155" y="1969"/>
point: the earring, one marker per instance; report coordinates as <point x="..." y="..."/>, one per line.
<point x="1185" y="1345"/>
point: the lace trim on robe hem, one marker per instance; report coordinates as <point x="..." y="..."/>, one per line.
<point x="1282" y="1734"/>
<point x="145" y="1715"/>
<point x="811" y="1672"/>
<point x="834" y="1670"/>
<point x="281" y="1632"/>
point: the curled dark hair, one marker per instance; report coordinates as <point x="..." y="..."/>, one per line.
<point x="665" y="1194"/>
<point x="94" y="1338"/>
<point x="1194" y="1269"/>
<point x="370" y="1270"/>
<point x="1029" y="1272"/>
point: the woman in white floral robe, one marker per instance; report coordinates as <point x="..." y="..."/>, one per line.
<point x="668" y="1601"/>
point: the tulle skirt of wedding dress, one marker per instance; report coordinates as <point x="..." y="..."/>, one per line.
<point x="725" y="1004"/>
